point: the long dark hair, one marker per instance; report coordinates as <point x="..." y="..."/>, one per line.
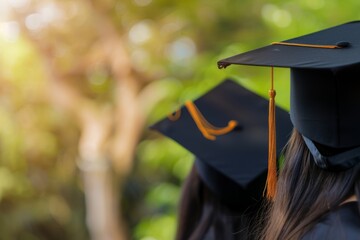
<point x="305" y="192"/>
<point x="203" y="216"/>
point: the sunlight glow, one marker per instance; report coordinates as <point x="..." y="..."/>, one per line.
<point x="142" y="3"/>
<point x="18" y="3"/>
<point x="279" y="17"/>
<point x="9" y="31"/>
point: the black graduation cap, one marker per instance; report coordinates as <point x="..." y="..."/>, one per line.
<point x="233" y="163"/>
<point x="325" y="87"/>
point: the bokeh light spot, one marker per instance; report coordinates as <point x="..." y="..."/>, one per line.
<point x="182" y="49"/>
<point x="140" y="32"/>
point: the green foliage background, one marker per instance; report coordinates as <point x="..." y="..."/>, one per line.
<point x="41" y="194"/>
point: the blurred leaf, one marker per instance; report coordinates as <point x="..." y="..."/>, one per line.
<point x="164" y="195"/>
<point x="161" y="154"/>
<point x="159" y="228"/>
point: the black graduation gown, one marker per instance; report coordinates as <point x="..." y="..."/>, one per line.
<point x="343" y="223"/>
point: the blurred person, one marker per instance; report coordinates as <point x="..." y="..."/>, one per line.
<point x="203" y="215"/>
<point x="222" y="195"/>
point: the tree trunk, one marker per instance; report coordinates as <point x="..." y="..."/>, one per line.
<point x="101" y="201"/>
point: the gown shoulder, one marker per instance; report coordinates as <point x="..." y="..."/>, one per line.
<point x="341" y="223"/>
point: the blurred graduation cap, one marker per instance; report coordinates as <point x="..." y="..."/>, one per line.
<point x="231" y="157"/>
<point x="325" y="86"/>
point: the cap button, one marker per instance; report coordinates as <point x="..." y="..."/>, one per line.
<point x="342" y="44"/>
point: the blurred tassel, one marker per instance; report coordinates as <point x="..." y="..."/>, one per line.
<point x="208" y="130"/>
<point x="272" y="165"/>
<point x="221" y="131"/>
<point x="211" y="129"/>
<point x="198" y="119"/>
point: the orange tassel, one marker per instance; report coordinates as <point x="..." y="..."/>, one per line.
<point x="207" y="129"/>
<point x="198" y="119"/>
<point x="306" y="45"/>
<point x="272" y="165"/>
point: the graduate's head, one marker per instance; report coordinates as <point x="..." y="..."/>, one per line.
<point x="325" y="109"/>
<point x="325" y="86"/>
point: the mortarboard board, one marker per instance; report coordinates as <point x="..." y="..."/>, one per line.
<point x="233" y="165"/>
<point x="324" y="98"/>
<point x="334" y="47"/>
